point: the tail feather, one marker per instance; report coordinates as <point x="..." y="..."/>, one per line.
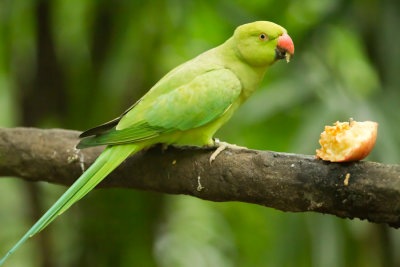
<point x="111" y="158"/>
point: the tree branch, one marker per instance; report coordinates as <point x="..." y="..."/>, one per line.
<point x="286" y="182"/>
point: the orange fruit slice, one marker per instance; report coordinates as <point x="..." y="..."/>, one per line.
<point x="347" y="141"/>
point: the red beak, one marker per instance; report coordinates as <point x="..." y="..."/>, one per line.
<point x="285" y="43"/>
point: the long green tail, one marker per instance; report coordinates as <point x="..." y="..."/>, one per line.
<point x="104" y="164"/>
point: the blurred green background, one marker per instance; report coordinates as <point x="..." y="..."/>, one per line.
<point x="77" y="63"/>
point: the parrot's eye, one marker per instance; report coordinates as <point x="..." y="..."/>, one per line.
<point x="263" y="37"/>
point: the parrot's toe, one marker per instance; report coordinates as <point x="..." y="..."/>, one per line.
<point x="221" y="146"/>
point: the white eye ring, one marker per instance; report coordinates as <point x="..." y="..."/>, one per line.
<point x="263" y="37"/>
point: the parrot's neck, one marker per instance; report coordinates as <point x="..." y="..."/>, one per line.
<point x="249" y="76"/>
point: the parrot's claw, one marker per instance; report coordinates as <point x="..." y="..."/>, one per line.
<point x="221" y="146"/>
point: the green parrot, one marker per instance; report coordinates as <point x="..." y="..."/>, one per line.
<point x="186" y="107"/>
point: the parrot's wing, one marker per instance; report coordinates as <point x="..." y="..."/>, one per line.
<point x="175" y="78"/>
<point x="194" y="104"/>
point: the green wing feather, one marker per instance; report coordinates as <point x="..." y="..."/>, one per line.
<point x="194" y="104"/>
<point x="179" y="76"/>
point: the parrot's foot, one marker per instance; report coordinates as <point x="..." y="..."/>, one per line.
<point x="221" y="146"/>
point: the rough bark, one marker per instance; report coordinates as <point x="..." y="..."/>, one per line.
<point x="287" y="182"/>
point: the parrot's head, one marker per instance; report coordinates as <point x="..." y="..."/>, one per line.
<point x="262" y="43"/>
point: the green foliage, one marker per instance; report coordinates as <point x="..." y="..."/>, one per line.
<point x="108" y="53"/>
